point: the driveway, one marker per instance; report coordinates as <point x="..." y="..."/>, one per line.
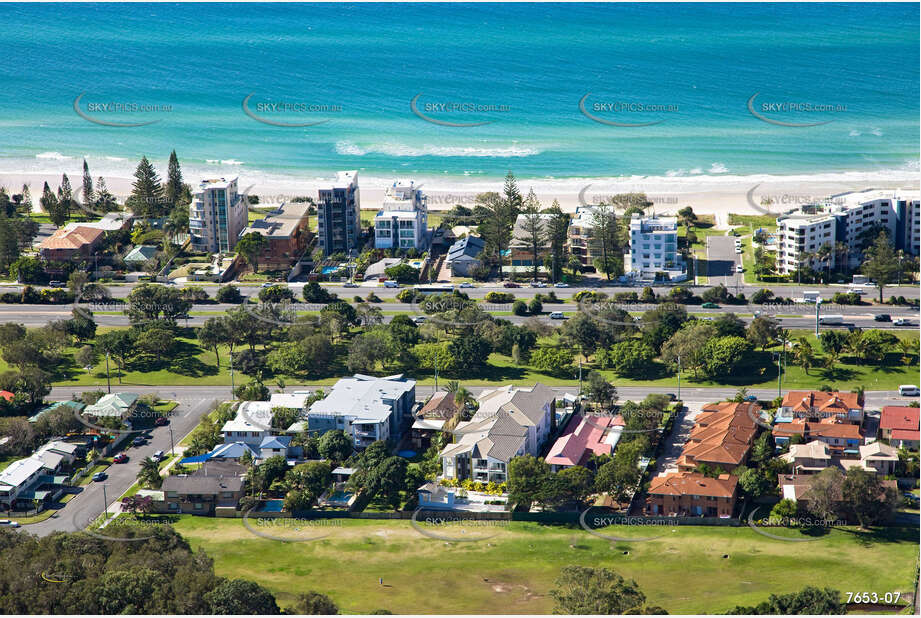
<point x="667" y="462"/>
<point x="87" y="505"/>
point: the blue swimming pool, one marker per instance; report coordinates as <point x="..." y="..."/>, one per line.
<point x="327" y="270"/>
<point x="340" y="496"/>
<point x="271" y="506"/>
<point x="407" y="454"/>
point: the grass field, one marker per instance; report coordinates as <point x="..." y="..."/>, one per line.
<point x="513" y="572"/>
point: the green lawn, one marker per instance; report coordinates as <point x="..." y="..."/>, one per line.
<point x="513" y="572"/>
<point x="766" y="221"/>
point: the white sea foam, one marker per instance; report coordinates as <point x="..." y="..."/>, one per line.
<point x="56" y="156"/>
<point x="429" y="150"/>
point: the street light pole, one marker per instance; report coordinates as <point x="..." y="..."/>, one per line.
<point x="818" y="307"/>
<point x="108" y="380"/>
<point x="172" y="447"/>
<point x="232" y="389"/>
<point x="679" y="377"/>
<point x="105" y="501"/>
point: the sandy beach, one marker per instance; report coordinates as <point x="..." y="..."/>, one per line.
<point x="719" y="195"/>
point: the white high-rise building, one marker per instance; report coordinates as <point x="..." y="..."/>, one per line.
<point x="402" y="221"/>
<point x="843" y="223"/>
<point x="654" y="248"/>
<point x="339" y="215"/>
<point x="217" y="214"/>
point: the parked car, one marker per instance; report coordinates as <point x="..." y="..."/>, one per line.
<point x="739" y="268"/>
<point x="100" y="476"/>
<point x="158" y="456"/>
<point x="882" y="317"/>
<point x="738" y="249"/>
<point x="709" y="306"/>
<point x="510" y="284"/>
<point x="561" y="285"/>
<point x="538" y="284"/>
<point x="267" y="284"/>
<point x="751" y="398"/>
<point x="557" y="315"/>
<point x="161" y="421"/>
<point x="9" y="523"/>
<point x="138" y="441"/>
<point x="120" y="458"/>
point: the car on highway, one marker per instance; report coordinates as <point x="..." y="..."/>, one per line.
<point x="138" y="441"/>
<point x="390" y="283"/>
<point x="161" y="421"/>
<point x="510" y="284"/>
<point x="120" y="458"/>
<point x="709" y="306"/>
<point x="909" y="390"/>
<point x="349" y="284"/>
<point x="466" y="284"/>
<point x="882" y="317"/>
<point x="56" y="284"/>
<point x="100" y="476"/>
<point x="538" y="284"/>
<point x="901" y="322"/>
<point x="8" y="523"/>
<point x="557" y="315"/>
<point x="561" y="285"/>
<point x="267" y="284"/>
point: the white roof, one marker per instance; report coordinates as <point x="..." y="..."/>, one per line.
<point x="426" y="423"/>
<point x="49" y="459"/>
<point x="251" y="416"/>
<point x="363" y="397"/>
<point x="19" y="471"/>
<point x="289" y="400"/>
<point x="345" y="179"/>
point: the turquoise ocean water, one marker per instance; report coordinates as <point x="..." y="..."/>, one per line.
<point x="521" y="69"/>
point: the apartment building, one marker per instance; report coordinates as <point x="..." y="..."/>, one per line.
<point x="580" y="236"/>
<point x="822" y="406"/>
<point x="366" y="408"/>
<point x="721" y="437"/>
<point x="402" y="221"/>
<point x="847" y="219"/>
<point x="339" y="216"/>
<point x="654" y="249"/>
<point x="286" y="232"/>
<point x="681" y="494"/>
<point x="217" y="215"/>
<point x="520" y="246"/>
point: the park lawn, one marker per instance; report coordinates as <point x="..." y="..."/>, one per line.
<point x="768" y="222"/>
<point x="684" y="572"/>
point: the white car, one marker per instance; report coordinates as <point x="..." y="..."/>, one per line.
<point x="561" y="285"/>
<point x="909" y="390"/>
<point x="466" y="284"/>
<point x="349" y="284"/>
<point x="739" y="268"/>
<point x="419" y="319"/>
<point x="9" y="523"/>
<point x="557" y="315"/>
<point x="738" y="249"/>
<point x="900" y="322"/>
<point x="391" y="284"/>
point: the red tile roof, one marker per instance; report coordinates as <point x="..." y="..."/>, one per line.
<point x="693" y="483"/>
<point x="72" y="239"/>
<point x="835" y="401"/>
<point x="906" y="434"/>
<point x="583" y="437"/>
<point x="899" y="417"/>
<point x="7" y="395"/>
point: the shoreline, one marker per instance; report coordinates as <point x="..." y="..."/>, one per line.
<point x="706" y="194"/>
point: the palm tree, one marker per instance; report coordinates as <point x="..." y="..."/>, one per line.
<point x="824" y="254"/>
<point x="841" y="248"/>
<point x="803" y="354"/>
<point x="574" y="264"/>
<point x="149" y="474"/>
<point x="909" y="348"/>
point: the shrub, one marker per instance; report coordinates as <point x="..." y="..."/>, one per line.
<point x="535" y="306"/>
<point x="519" y="308"/>
<point x="500" y="297"/>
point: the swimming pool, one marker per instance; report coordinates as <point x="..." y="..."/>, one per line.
<point x="407" y="454"/>
<point x="271" y="506"/>
<point x="327" y="270"/>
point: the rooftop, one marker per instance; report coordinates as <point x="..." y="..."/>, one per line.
<point x="279" y="223"/>
<point x="73" y="238"/>
<point x="693" y="483"/>
<point x="363" y="397"/>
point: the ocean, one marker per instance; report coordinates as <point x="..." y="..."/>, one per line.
<point x="462" y="92"/>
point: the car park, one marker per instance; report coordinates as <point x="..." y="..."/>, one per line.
<point x="100" y="476"/>
<point x="882" y="317"/>
<point x="120" y="458"/>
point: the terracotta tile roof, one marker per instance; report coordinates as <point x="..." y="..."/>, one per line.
<point x="836" y="430"/>
<point x="7" y="395"/>
<point x="74" y="238"/>
<point x="789" y="429"/>
<point x="692" y="483"/>
<point x="441" y="406"/>
<point x="809" y="401"/>
<point x="906" y="434"/>
<point x="583" y="437"/>
<point x="899" y="417"/>
<point x="722" y="434"/>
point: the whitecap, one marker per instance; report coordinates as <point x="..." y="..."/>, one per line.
<point x="718" y="168"/>
<point x="429" y="150"/>
<point x="854" y="133"/>
<point x="52" y="155"/>
<point x="877" y="132"/>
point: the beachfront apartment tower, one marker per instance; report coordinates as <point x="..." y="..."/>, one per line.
<point x="339" y="216"/>
<point x="654" y="249"/>
<point x="402" y="221"/>
<point x="217" y="214"/>
<point x="580" y="236"/>
<point x="843" y="222"/>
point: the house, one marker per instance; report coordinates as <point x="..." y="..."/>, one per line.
<point x="17" y="478"/>
<point x="75" y="407"/>
<point x="721" y="437"/>
<point x="367" y="408"/>
<point x="808" y="458"/>
<point x="841" y="438"/>
<point x="68" y="243"/>
<point x="823" y="407"/>
<point x="692" y="494"/>
<point x="273" y="446"/>
<point x="899" y="425"/>
<point x="877" y="457"/>
<point x="140" y="255"/>
<point x="113" y="405"/>
<point x="57" y="454"/>
<point x="251" y="424"/>
<point x="434" y="496"/>
<point x="796" y="486"/>
<point x="465" y="255"/>
<point x="215" y="484"/>
<point x="521" y="251"/>
<point x="379" y="268"/>
<point x="510" y="422"/>
<point x="583" y="437"/>
<point x="286" y="233"/>
<point x="439" y="409"/>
